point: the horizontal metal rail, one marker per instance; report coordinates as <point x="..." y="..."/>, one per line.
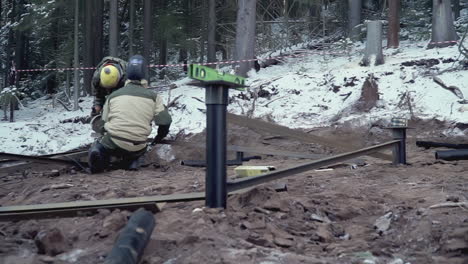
<point x="87" y="208"/>
<point x="59" y="160"/>
<point x="73" y="157"/>
<point x="79" y="208"/>
<point x="83" y="208"/>
<point x="256" y="180"/>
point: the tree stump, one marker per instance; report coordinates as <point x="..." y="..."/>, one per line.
<point x="373" y="54"/>
<point x="369" y="95"/>
<point x="443" y="29"/>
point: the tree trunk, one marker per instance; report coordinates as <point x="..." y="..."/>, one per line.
<point x="162" y="7"/>
<point x="443" y="29"/>
<point x="374" y="53"/>
<point x="211" y="31"/>
<point x="163" y="56"/>
<point x="19" y="41"/>
<point x="354" y="19"/>
<point x="12" y="109"/>
<point x="93" y="39"/>
<point x="245" y="34"/>
<point x="99" y="35"/>
<point x="147" y="32"/>
<point x="113" y="28"/>
<point x="88" y="52"/>
<point x="11" y="39"/>
<point x="183" y="51"/>
<point x="76" y="58"/>
<point x="456" y="9"/>
<point x="204" y="31"/>
<point x="314" y="15"/>
<point x="131" y="28"/>
<point x="324" y="19"/>
<point x="1" y="15"/>
<point x="286" y="24"/>
<point x="393" y="24"/>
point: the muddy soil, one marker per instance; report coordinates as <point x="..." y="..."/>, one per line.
<point x="363" y="211"/>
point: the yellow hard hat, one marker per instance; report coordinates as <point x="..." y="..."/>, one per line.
<point x="109" y="76"/>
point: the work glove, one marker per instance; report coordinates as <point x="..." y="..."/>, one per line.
<point x="95" y="110"/>
<point x="163" y="130"/>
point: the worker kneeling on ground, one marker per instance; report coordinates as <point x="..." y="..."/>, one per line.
<point x="127" y="116"/>
<point x="109" y="76"/>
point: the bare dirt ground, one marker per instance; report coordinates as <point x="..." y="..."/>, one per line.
<point x="376" y="213"/>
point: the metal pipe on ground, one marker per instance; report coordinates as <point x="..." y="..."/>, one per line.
<point x="459" y="154"/>
<point x="132" y="240"/>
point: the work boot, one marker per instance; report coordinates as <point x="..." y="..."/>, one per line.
<point x="98" y="160"/>
<point x="134" y="165"/>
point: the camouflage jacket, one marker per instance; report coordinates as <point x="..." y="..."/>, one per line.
<point x="99" y="92"/>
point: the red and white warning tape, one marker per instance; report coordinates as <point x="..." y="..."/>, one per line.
<point x="56" y="69"/>
<point x="443" y="42"/>
<point x="217" y="63"/>
<point x="182" y="65"/>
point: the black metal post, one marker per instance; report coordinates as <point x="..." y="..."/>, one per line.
<point x="216" y="186"/>
<point x="240" y="156"/>
<point x="399" y="150"/>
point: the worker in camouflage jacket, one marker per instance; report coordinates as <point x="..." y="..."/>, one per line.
<point x="109" y="76"/>
<point x="127" y="117"/>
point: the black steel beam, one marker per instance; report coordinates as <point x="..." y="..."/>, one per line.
<point x="87" y="208"/>
<point x="83" y="208"/>
<point x="80" y="208"/>
<point x="61" y="159"/>
<point x="256" y="180"/>
<point x="237" y="162"/>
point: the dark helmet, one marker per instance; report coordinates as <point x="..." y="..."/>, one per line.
<point x="136" y="68"/>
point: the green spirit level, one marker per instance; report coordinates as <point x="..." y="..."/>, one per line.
<point x="211" y="76"/>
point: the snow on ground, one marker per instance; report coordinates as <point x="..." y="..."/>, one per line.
<point x="316" y="90"/>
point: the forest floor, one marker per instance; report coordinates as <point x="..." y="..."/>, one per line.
<point x="366" y="211"/>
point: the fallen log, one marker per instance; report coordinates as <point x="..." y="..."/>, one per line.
<point x="132" y="240"/>
<point x="455" y="90"/>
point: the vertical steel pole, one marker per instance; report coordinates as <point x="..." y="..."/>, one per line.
<point x="240" y="156"/>
<point x="215" y="184"/>
<point x="399" y="150"/>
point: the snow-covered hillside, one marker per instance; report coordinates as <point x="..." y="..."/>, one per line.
<point x="311" y="91"/>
